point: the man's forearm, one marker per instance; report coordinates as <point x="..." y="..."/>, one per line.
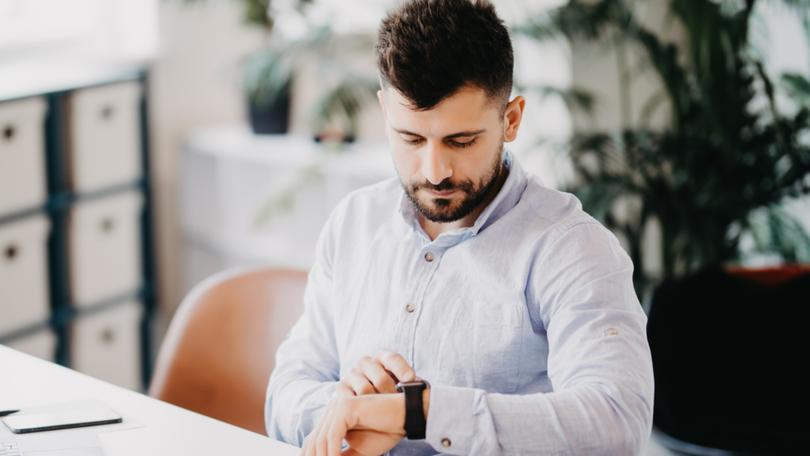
<point x="587" y="420"/>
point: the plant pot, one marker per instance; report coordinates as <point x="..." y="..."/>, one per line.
<point x="727" y="347"/>
<point x="272" y="117"/>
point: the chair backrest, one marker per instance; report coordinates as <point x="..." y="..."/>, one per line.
<point x="220" y="348"/>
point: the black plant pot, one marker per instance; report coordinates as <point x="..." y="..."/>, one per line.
<point x="271" y="118"/>
<point x="728" y="357"/>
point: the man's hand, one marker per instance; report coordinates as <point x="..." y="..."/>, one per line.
<point x="384" y="414"/>
<point x="379" y="374"/>
<point x="370" y="424"/>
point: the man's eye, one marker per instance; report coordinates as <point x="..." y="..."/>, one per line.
<point x="462" y="145"/>
<point x="412" y="142"/>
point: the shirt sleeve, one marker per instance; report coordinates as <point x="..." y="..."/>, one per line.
<point x="599" y="364"/>
<point x="307" y="364"/>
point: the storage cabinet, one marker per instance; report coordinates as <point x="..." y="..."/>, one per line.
<point x="104" y="341"/>
<point x="23" y="274"/>
<point x="104" y="247"/>
<point x="41" y="344"/>
<point x="22" y="154"/>
<point x="104" y="136"/>
<point x="77" y="273"/>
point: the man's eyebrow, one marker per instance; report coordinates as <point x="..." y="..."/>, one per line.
<point x="460" y="134"/>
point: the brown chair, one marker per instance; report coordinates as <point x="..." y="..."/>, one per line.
<point x="219" y="351"/>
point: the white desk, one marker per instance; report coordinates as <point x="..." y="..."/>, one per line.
<point x="164" y="429"/>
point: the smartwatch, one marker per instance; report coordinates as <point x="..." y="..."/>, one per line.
<point x="415" y="422"/>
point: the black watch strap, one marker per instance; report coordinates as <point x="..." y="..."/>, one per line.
<point x="415" y="422"/>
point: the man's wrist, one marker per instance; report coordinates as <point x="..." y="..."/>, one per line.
<point x="381" y="412"/>
<point x="426" y="401"/>
<point x="386" y="412"/>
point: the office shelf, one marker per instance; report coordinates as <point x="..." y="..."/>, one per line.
<point x="62" y="198"/>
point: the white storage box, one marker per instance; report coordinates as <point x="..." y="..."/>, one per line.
<point x="106" y="345"/>
<point x="105" y="248"/>
<point x="41" y="344"/>
<point x="22" y="155"/>
<point x="23" y="273"/>
<point x="105" y="138"/>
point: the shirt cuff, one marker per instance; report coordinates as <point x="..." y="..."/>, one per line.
<point x="311" y="399"/>
<point x="451" y="419"/>
<point x="314" y="400"/>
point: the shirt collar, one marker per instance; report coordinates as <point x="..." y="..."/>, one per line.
<point x="508" y="196"/>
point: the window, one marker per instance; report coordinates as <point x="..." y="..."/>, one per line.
<point x="117" y="28"/>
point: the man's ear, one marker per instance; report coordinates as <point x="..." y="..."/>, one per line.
<point x="380" y="100"/>
<point x="512" y="116"/>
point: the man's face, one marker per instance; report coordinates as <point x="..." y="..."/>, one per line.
<point x="449" y="157"/>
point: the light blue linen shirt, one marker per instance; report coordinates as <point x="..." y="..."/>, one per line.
<point x="526" y="325"/>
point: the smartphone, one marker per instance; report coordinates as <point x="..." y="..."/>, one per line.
<point x="80" y="415"/>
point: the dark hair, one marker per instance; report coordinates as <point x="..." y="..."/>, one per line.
<point x="429" y="49"/>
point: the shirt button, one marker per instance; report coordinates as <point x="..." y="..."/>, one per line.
<point x="429" y="257"/>
<point x="611" y="332"/>
<point x="446" y="442"/>
<point x="410" y="308"/>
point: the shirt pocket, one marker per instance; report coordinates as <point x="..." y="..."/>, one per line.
<point x="497" y="340"/>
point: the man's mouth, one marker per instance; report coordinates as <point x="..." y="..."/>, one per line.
<point x="442" y="193"/>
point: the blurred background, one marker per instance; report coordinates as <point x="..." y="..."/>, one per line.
<point x="148" y="144"/>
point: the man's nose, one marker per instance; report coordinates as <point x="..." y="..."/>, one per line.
<point x="435" y="166"/>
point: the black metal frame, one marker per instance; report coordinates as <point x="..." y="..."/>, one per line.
<point x="60" y="200"/>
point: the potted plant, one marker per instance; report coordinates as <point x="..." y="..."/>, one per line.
<point x="714" y="175"/>
<point x="268" y="76"/>
<point x="269" y="72"/>
<point x="719" y="160"/>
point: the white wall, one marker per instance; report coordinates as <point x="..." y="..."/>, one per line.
<point x="195" y="81"/>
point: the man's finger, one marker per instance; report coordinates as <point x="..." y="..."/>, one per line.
<point x="358" y="383"/>
<point x="309" y="448"/>
<point x="334" y="437"/>
<point x="376" y="374"/>
<point x="396" y="364"/>
<point x="343" y="390"/>
<point x="320" y="438"/>
<point x="365" y="442"/>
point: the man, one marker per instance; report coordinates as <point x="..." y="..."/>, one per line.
<point x="506" y="314"/>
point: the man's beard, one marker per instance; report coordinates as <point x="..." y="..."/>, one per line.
<point x="445" y="210"/>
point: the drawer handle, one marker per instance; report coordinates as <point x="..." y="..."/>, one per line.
<point x="107" y="225"/>
<point x="107" y="112"/>
<point x="11" y="252"/>
<point x="8" y="132"/>
<point x="108" y="336"/>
